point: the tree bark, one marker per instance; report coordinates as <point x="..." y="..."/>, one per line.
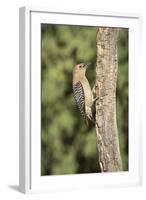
<point x="106" y="78"/>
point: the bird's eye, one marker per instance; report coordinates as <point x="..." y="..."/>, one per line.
<point x="80" y="66"/>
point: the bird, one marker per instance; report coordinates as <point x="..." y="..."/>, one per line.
<point x="82" y="92"/>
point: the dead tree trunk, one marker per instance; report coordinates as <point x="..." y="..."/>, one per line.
<point x="106" y="78"/>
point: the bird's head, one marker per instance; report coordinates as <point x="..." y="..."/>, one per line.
<point x="80" y="68"/>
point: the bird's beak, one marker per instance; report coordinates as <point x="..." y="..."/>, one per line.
<point x="87" y="65"/>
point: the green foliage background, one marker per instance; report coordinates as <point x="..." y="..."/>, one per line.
<point x="67" y="144"/>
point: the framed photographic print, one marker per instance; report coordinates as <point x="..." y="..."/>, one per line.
<point x="79" y="100"/>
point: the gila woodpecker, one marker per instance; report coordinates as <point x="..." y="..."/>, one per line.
<point x="82" y="92"/>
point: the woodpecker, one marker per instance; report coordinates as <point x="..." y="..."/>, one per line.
<point x="82" y="92"/>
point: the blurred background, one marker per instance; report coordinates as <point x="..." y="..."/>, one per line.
<point x="67" y="145"/>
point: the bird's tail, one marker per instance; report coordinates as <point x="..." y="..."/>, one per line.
<point x="91" y="118"/>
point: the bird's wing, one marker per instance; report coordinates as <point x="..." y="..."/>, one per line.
<point x="79" y="97"/>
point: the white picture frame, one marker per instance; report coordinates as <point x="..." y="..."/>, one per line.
<point x="30" y="178"/>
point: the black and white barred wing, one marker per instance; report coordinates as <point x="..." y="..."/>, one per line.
<point x="79" y="97"/>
